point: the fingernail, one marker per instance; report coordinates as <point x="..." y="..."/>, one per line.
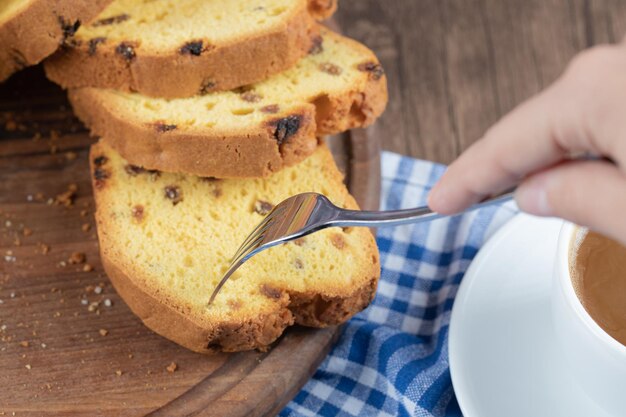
<point x="532" y="197"/>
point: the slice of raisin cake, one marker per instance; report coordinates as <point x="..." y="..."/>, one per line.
<point x="166" y="239"/>
<point x="180" y="48"/>
<point x="30" y="30"/>
<point x="244" y="133"/>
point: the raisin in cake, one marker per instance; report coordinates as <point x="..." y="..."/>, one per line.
<point x="30" y="30"/>
<point x="166" y="239"/>
<point x="180" y="48"/>
<point x="249" y="132"/>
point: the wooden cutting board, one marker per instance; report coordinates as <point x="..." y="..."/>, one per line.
<point x="69" y="346"/>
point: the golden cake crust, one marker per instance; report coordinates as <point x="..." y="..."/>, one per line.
<point x="306" y="309"/>
<point x="322" y="9"/>
<point x="158" y="315"/>
<point x="253" y="154"/>
<point x="39" y="29"/>
<point x="259" y="150"/>
<point x="98" y="63"/>
<point x="182" y="323"/>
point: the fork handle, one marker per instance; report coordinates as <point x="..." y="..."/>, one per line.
<point x="349" y="218"/>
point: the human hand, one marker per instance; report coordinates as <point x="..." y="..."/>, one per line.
<point x="584" y="111"/>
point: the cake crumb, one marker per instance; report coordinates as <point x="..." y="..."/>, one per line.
<point x="28" y="366"/>
<point x="85" y="227"/>
<point x="44" y="248"/>
<point x="83" y="213"/>
<point x="87" y="268"/>
<point x="172" y="367"/>
<point x="27" y="231"/>
<point x="67" y="197"/>
<point x="24" y="343"/>
<point x="77" y="258"/>
<point x="118" y="372"/>
<point x="103" y="332"/>
<point x="108" y="302"/>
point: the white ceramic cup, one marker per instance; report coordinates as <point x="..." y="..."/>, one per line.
<point x="597" y="362"/>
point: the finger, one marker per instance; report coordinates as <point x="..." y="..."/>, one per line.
<point x="521" y="142"/>
<point x="591" y="194"/>
<point x="581" y="112"/>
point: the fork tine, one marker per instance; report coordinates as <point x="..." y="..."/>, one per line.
<point x="263" y="222"/>
<point x="250" y="245"/>
<point x="231" y="269"/>
<point x="253" y="244"/>
<point x="234" y="265"/>
<point x="254" y="236"/>
<point x="243" y="251"/>
<point x="260" y="228"/>
<point x="237" y="261"/>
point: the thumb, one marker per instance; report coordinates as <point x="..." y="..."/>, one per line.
<point x="590" y="193"/>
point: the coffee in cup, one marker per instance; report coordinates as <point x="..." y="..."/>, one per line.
<point x="598" y="272"/>
<point x="594" y="360"/>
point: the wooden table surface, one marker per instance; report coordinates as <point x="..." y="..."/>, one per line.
<point x="456" y="66"/>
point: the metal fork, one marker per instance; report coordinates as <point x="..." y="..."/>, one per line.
<point x="306" y="213"/>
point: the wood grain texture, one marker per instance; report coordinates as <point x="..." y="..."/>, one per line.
<point x="456" y="66"/>
<point x="63" y="351"/>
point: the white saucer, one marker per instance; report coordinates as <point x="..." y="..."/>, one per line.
<point x="504" y="359"/>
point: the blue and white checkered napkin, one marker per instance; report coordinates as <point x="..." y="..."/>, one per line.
<point x="392" y="359"/>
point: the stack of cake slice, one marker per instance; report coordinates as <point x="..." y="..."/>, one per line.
<point x="209" y="114"/>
